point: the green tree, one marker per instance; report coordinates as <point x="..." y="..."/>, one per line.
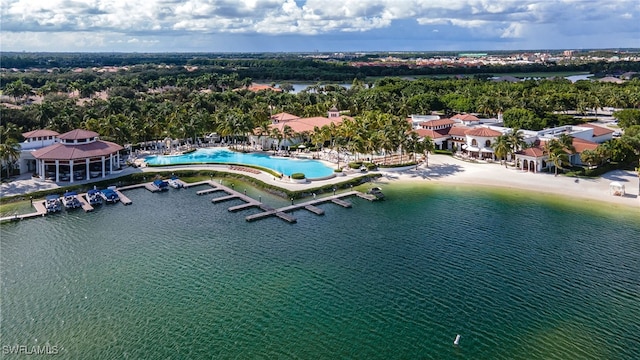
<point x="502" y="147"/>
<point x="9" y="153"/>
<point x="627" y="117"/>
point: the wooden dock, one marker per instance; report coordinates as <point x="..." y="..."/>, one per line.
<point x="123" y="199"/>
<point x="151" y="187"/>
<point x="224" y="198"/>
<point x="41" y="210"/>
<point x="85" y="204"/>
<point x="208" y="191"/>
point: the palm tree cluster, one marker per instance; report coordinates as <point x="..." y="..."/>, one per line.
<point x="9" y="146"/>
<point x="558" y="151"/>
<point x="509" y="144"/>
<point x="149" y="107"/>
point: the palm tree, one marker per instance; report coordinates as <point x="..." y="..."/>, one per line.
<point x="502" y="147"/>
<point x="276" y="134"/>
<point x="516" y="141"/>
<point x="557" y="154"/>
<point x="428" y="147"/>
<point x="9" y="152"/>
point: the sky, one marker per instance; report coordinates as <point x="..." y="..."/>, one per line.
<point x="316" y="25"/>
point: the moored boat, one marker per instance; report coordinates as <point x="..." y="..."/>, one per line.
<point x="109" y="195"/>
<point x="174" y="182"/>
<point x="94" y="197"/>
<point x="52" y="203"/>
<point x="161" y="185"/>
<point x="70" y="200"/>
<point x="377" y="192"/>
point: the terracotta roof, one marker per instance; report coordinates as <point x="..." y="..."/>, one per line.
<point x="437" y="122"/>
<point x="430" y="133"/>
<point x="532" y="152"/>
<point x="300" y="125"/>
<point x="484" y="132"/>
<point x="259" y="87"/>
<point x="61" y="151"/>
<point x="284" y="117"/>
<point x="598" y="130"/>
<point x="465" y="117"/>
<point x="37" y="133"/>
<point x="581" y="145"/>
<point x="78" y="134"/>
<point x="458" y="130"/>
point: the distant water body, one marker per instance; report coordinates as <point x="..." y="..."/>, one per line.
<point x="175" y="276"/>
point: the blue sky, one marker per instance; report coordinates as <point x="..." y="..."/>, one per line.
<point x="317" y="25"/>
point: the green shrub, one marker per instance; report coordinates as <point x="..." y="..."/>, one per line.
<point x="370" y="166"/>
<point x="355" y="164"/>
<point x="297" y="176"/>
<point x="443" y="152"/>
<point x="413" y="163"/>
<point x="338" y="170"/>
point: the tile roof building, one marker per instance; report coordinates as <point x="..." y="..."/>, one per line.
<point x="75" y="155"/>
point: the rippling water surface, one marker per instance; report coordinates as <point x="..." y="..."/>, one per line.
<point x="175" y="276"/>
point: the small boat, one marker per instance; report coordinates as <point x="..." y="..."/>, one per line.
<point x="70" y="200"/>
<point x="109" y="195"/>
<point x="94" y="197"/>
<point x="457" y="340"/>
<point x="161" y="185"/>
<point x="175" y="183"/>
<point x="377" y="192"/>
<point x="52" y="203"/>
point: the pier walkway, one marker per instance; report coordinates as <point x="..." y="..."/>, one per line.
<point x="267" y="211"/>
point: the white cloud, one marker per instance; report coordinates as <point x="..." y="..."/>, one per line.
<point x="500" y="19"/>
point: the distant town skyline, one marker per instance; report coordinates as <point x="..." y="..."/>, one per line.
<point x="317" y="25"/>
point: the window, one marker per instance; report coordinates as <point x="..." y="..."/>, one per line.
<point x="487" y="143"/>
<point x="474" y="142"/>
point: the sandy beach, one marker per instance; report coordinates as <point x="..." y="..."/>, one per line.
<point x="446" y="169"/>
<point x="441" y="169"/>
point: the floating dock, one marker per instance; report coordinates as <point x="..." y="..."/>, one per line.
<point x="267" y="211"/>
<point x="123" y="199"/>
<point x="85" y="204"/>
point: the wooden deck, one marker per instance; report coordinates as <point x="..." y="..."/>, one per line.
<point x="41" y="210"/>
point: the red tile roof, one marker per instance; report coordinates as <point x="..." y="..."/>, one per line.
<point x="74" y="152"/>
<point x="437" y="122"/>
<point x="458" y="130"/>
<point x="430" y="133"/>
<point x="484" y="132"/>
<point x="300" y="125"/>
<point x="78" y="134"/>
<point x="581" y="145"/>
<point x="284" y="117"/>
<point x="465" y="117"/>
<point x="598" y="130"/>
<point x="259" y="87"/>
<point x="39" y="133"/>
<point x="532" y="152"/>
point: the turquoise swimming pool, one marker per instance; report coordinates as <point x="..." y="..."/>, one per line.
<point x="312" y="169"/>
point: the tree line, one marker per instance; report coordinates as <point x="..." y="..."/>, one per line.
<point x="151" y="107"/>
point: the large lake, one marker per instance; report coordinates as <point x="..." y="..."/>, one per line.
<point x="176" y="276"/>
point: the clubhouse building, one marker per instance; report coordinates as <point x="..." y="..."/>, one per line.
<point x="73" y="156"/>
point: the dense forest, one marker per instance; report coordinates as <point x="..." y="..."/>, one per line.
<point x="286" y="66"/>
<point x="147" y="102"/>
